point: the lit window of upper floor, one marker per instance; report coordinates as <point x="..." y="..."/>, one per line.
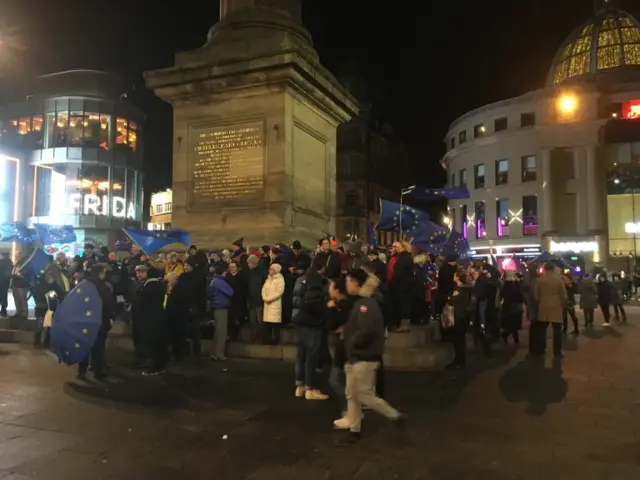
<point x="502" y="172"/>
<point x="479" y="130"/>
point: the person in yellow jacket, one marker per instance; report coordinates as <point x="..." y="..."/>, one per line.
<point x="174" y="265"/>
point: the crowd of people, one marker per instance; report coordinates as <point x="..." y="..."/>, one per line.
<point x="350" y="295"/>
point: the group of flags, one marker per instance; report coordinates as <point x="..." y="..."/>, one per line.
<point x="49" y="234"/>
<point x="429" y="236"/>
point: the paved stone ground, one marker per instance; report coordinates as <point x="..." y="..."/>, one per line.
<point x="502" y="419"/>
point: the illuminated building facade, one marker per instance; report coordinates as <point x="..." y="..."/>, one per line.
<point x="81" y="146"/>
<point x="161" y="210"/>
<point x="558" y="168"/>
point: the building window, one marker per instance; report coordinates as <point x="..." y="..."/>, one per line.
<point x="167" y="208"/>
<point x="464" y="220"/>
<point x="159" y="209"/>
<point x="529" y="168"/>
<point x="452" y="142"/>
<point x="502" y="217"/>
<point x="462" y="137"/>
<point x="351" y="199"/>
<point x="479" y="130"/>
<point x="126" y="134"/>
<point x="454" y="219"/>
<point x="530" y="215"/>
<point x="167" y="226"/>
<point x="500" y="124"/>
<point x="463" y="176"/>
<point x="481" y="226"/>
<point x="527" y="119"/>
<point x="502" y="172"/>
<point x="478" y="176"/>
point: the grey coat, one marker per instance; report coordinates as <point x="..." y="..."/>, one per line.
<point x="588" y="294"/>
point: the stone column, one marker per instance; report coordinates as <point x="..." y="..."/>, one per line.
<point x="227" y="6"/>
<point x="581" y="224"/>
<point x="593" y="204"/>
<point x="547" y="193"/>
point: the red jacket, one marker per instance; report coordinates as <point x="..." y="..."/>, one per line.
<point x="391" y="265"/>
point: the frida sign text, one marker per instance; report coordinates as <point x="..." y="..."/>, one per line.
<point x="91" y="204"/>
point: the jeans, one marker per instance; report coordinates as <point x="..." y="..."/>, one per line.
<point x="360" y="389"/>
<point x="338" y="382"/>
<point x="459" y="341"/>
<point x="606" y="311"/>
<point x="20" y="299"/>
<point x="307" y="356"/>
<point x="618" y="311"/>
<point x="482" y="312"/>
<point x="569" y="312"/>
<point x="221" y="316"/>
<point x="97" y="355"/>
<point x="271" y="333"/>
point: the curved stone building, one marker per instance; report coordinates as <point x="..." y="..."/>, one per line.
<point x="558" y="168"/>
<point x="79" y="145"/>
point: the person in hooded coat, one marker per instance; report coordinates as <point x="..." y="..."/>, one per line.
<point x="239" y="254"/>
<point x="282" y="258"/>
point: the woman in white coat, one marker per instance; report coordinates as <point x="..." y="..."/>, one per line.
<point x="272" y="292"/>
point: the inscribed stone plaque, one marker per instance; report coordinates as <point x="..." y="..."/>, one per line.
<point x="228" y="164"/>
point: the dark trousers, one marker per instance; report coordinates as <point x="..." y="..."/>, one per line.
<point x="307" y="356"/>
<point x="4" y="297"/>
<point x="271" y="333"/>
<point x="606" y="311"/>
<point x="588" y="316"/>
<point x="618" y="311"/>
<point x="569" y="312"/>
<point x="481" y="336"/>
<point x="195" y="334"/>
<point x="178" y="333"/>
<point x="96" y="355"/>
<point x="324" y="357"/>
<point x="458" y="334"/>
<point x="157" y="348"/>
<point x="557" y="337"/>
<point x="139" y="344"/>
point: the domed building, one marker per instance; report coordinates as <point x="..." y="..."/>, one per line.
<point x="558" y="168"/>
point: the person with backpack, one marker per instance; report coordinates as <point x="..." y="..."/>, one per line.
<point x="308" y="316"/>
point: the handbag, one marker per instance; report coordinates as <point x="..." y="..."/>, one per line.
<point x="48" y="319"/>
<point x="447" y="318"/>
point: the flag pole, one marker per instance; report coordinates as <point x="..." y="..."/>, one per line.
<point x="403" y="192"/>
<point x="133" y="241"/>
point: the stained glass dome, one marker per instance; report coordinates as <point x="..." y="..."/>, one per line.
<point x="608" y="41"/>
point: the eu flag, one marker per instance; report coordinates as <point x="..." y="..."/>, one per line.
<point x="457" y="246"/>
<point x="150" y="241"/>
<point x="431" y="238"/>
<point x="52" y="234"/>
<point x="15" y="232"/>
<point x="76" y="323"/>
<point x="450" y="193"/>
<point x="34" y="265"/>
<point x="397" y="217"/>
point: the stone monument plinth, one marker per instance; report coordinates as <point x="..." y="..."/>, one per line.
<point x="255" y="121"/>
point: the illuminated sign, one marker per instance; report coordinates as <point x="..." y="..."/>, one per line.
<point x="90" y="204"/>
<point x="632" y="227"/>
<point x="631" y="110"/>
<point x="574" y="247"/>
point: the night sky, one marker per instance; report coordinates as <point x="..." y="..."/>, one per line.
<point x="424" y="65"/>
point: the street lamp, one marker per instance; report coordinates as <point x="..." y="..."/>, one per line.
<point x="567" y="103"/>
<point x="447" y="220"/>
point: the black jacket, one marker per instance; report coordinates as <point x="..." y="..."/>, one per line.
<point x="147" y="308"/>
<point x="464" y="304"/>
<point x="364" y="331"/>
<point x="309" y="300"/>
<point x="331" y="260"/>
<point x="255" y="281"/>
<point x="108" y="302"/>
<point x="337" y="317"/>
<point x="446" y="282"/>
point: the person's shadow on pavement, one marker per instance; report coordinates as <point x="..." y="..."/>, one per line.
<point x="530" y="381"/>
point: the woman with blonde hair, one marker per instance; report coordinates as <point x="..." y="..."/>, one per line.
<point x="173" y="266"/>
<point x="272" y="292"/>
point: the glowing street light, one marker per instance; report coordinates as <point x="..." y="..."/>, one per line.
<point x="447" y="221"/>
<point x="567" y="103"/>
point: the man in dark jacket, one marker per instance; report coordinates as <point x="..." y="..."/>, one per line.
<point x="364" y="346"/>
<point x="256" y="277"/>
<point x="149" y="321"/>
<point x="299" y="261"/>
<point x="331" y="260"/>
<point x="97" y="276"/>
<point x="308" y="316"/>
<point x="182" y="313"/>
<point x="463" y="303"/>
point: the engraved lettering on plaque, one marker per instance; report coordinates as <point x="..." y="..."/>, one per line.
<point x="228" y="162"/>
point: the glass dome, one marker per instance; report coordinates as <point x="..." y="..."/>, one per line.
<point x="609" y="40"/>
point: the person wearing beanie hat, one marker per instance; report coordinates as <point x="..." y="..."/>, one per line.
<point x="265" y="257"/>
<point x="299" y="261"/>
<point x="379" y="268"/>
<point x="364" y="346"/>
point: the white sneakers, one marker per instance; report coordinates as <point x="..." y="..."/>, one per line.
<point x="310" y="394"/>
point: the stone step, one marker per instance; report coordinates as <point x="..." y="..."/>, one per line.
<point x="15" y="336"/>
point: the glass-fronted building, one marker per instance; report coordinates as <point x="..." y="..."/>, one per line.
<point x="81" y="148"/>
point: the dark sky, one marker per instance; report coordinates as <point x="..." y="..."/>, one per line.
<point x="426" y="65"/>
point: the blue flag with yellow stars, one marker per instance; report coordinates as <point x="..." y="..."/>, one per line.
<point x="52" y="234"/>
<point x="16" y="232"/>
<point x="395" y="217"/>
<point x="76" y="323"/>
<point x="150" y="241"/>
<point x="431" y="238"/>
<point x="34" y="266"/>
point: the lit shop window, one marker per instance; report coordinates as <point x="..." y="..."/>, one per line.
<point x="530" y="215"/>
<point x="481" y="226"/>
<point x="502" y="217"/>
